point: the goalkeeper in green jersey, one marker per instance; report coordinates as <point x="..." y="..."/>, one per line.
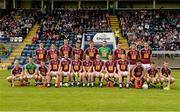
<point x="104" y="51"/>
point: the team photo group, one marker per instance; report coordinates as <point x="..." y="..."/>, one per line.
<point x="69" y="66"/>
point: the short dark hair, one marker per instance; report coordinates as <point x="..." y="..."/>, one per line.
<point x="91" y="41"/>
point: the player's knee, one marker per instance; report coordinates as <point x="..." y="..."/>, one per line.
<point x="172" y="80"/>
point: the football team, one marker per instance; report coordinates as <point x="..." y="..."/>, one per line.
<point x="82" y="68"/>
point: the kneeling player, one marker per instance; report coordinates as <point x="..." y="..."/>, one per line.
<point x="165" y="75"/>
<point x="98" y="67"/>
<point x="110" y="68"/>
<point x="31" y="71"/>
<point x="138" y="74"/>
<point x="54" y="71"/>
<point x="152" y="75"/>
<point x="87" y="70"/>
<point x="76" y="70"/>
<point x="16" y="74"/>
<point x="42" y="73"/>
<point x="123" y="70"/>
<point x="65" y="68"/>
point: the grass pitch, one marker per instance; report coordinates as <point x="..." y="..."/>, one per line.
<point x="85" y="99"/>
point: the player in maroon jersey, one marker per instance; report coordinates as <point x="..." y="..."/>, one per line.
<point x="54" y="71"/>
<point x="138" y="72"/>
<point x="87" y="70"/>
<point x="76" y="70"/>
<point x="152" y="75"/>
<point x="98" y="67"/>
<point x="78" y="51"/>
<point x="133" y="55"/>
<point x="145" y="55"/>
<point x="42" y="73"/>
<point x="40" y="53"/>
<point x="52" y="51"/>
<point x="110" y="68"/>
<point x="65" y="49"/>
<point x="91" y="51"/>
<point x="118" y="52"/>
<point x="166" y="75"/>
<point x="16" y="74"/>
<point x="123" y="70"/>
<point x="65" y="68"/>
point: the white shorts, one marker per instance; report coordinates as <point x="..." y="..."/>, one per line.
<point x="124" y="73"/>
<point x="54" y="73"/>
<point x="146" y="66"/>
<point x="111" y="75"/>
<point x="66" y="73"/>
<point x="29" y="76"/>
<point x="97" y="74"/>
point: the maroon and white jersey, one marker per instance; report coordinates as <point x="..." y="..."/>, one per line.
<point x="78" y="52"/>
<point x="123" y="65"/>
<point x="133" y="56"/>
<point x="98" y="65"/>
<point x="118" y="53"/>
<point x="138" y="71"/>
<point x="87" y="65"/>
<point x="51" y="53"/>
<point x="165" y="71"/>
<point x="54" y="64"/>
<point x="16" y="71"/>
<point x="146" y="56"/>
<point x="76" y="65"/>
<point x="110" y="66"/>
<point x="40" y="55"/>
<point x="152" y="72"/>
<point x="65" y="64"/>
<point x="92" y="52"/>
<point x="43" y="70"/>
<point x="65" y="50"/>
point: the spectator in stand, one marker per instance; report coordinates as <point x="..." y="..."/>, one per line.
<point x="157" y="27"/>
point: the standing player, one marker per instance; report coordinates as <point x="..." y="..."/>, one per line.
<point x="110" y="68"/>
<point x="152" y="74"/>
<point x="145" y="55"/>
<point x="54" y="71"/>
<point x="42" y="73"/>
<point x="91" y="51"/>
<point x="123" y="70"/>
<point x="16" y="74"/>
<point x="98" y="67"/>
<point x="52" y="51"/>
<point x="165" y="75"/>
<point x="118" y="52"/>
<point x="40" y="53"/>
<point x="78" y="51"/>
<point x="87" y="70"/>
<point x="138" y="74"/>
<point x="65" y="49"/>
<point x="133" y="55"/>
<point x="31" y="71"/>
<point x="104" y="51"/>
<point x="65" y="68"/>
<point x="76" y="70"/>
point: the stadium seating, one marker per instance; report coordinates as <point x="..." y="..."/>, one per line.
<point x="160" y="28"/>
<point x="60" y="24"/>
<point x="15" y="25"/>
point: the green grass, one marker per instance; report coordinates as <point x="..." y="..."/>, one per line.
<point x="85" y="99"/>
